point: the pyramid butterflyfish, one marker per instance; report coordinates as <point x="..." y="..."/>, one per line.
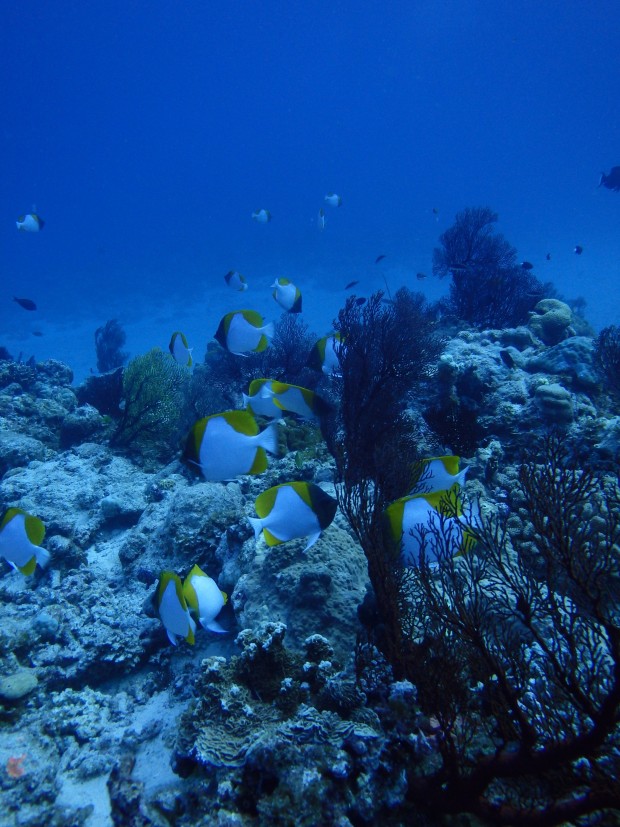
<point x="173" y="609"/>
<point x="243" y="331"/>
<point x="204" y="599"/>
<point x="419" y="522"/>
<point x="292" y="510"/>
<point x="287" y="295"/>
<point x="21" y="535"/>
<point x="268" y="397"/>
<point x="438" y="474"/>
<point x="180" y="350"/>
<point x="229" y="444"/>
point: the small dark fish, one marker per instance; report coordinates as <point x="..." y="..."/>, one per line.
<point x="380" y="258"/>
<point x="548" y="256"/>
<point x="578" y="250"/>
<point x="359" y="302"/>
<point x="351" y="284"/>
<point x="527" y="265"/>
<point x="27" y="304"/>
<point x="420" y="276"/>
<point x="611" y="181"/>
<point x="507" y="358"/>
<point x="37" y="333"/>
<point x="435" y="211"/>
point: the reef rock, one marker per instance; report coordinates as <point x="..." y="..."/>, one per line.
<point x="550" y="321"/>
<point x="316" y="589"/>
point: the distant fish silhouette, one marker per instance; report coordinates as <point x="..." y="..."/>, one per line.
<point x="548" y="256"/>
<point x="380" y="258"/>
<point x="27" y="304"/>
<point x="611" y="181"/>
<point x="420" y="276"/>
<point x="527" y="265"/>
<point x="333" y="200"/>
<point x="351" y="284"/>
<point x="578" y="250"/>
<point x="30" y="223"/>
<point x="360" y="301"/>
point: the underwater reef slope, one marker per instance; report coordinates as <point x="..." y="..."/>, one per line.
<point x="302" y="713"/>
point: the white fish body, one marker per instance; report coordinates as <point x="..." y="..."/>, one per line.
<point x="331" y="365"/>
<point x="333" y="200"/>
<point x="290" y="518"/>
<point x="181" y="353"/>
<point x="236" y="281"/>
<point x="263" y="403"/>
<point x="436" y="477"/>
<point x="30" y="223"/>
<point x="205" y="598"/>
<point x="293" y="400"/>
<point x="226" y="453"/>
<point x="243" y="337"/>
<point x="262" y="216"/>
<point x="17" y="548"/>
<point x="175" y="615"/>
<point x="286" y="294"/>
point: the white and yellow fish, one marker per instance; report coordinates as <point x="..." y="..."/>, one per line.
<point x="324" y="355"/>
<point x="204" y="598"/>
<point x="173" y="610"/>
<point x="21" y="535"/>
<point x="333" y="200"/>
<point x="419" y="521"/>
<point x="262" y="216"/>
<point x="291" y="510"/>
<point x="180" y="350"/>
<point x="229" y="444"/>
<point x="439" y="474"/>
<point x="242" y="331"/>
<point x="30" y="223"/>
<point x="236" y="281"/>
<point x="268" y="397"/>
<point x="287" y="295"/>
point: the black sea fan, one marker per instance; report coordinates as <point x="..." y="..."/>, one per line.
<point x="489" y="288"/>
<point x="109" y="339"/>
<point x="607" y="358"/>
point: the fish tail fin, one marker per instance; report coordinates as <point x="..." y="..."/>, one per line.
<point x="269" y="438"/>
<point x="460" y="477"/>
<point x="257" y="525"/>
<point x="269" y="330"/>
<point x="312" y="540"/>
<point x="213" y="626"/>
<point x="43" y="556"/>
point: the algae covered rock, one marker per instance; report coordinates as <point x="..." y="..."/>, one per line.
<point x="571" y="359"/>
<point x="17" y="450"/>
<point x="320" y="587"/>
<point x="555" y="403"/>
<point x="16" y="686"/>
<point x="551" y="321"/>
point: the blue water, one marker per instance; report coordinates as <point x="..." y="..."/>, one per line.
<point x="145" y="134"/>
